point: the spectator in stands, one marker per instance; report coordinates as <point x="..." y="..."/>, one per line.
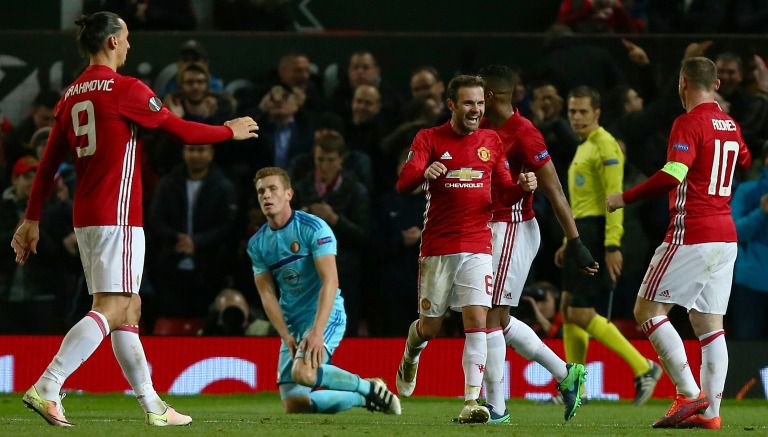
<point x="342" y="202"/>
<point x="356" y="162"/>
<point x="17" y="143"/>
<point x="192" y="52"/>
<point x="570" y="62"/>
<point x="191" y="223"/>
<point x="231" y="315"/>
<point x="421" y="112"/>
<point x="366" y="128"/>
<point x="597" y="16"/>
<point x="285" y="129"/>
<point x="748" y="109"/>
<point x="426" y="82"/>
<point x="547" y="115"/>
<point x="31" y="293"/>
<point x="399" y="221"/>
<point x="364" y="69"/>
<point x="749" y="301"/>
<point x="643" y="128"/>
<point x="195" y="101"/>
<point x="295" y="71"/>
<point x="538" y="308"/>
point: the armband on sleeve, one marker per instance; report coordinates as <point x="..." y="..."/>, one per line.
<point x="675" y="169"/>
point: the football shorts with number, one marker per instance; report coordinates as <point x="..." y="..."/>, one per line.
<point x="454" y="281"/>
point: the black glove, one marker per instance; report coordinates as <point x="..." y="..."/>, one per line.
<point x="577" y="252"/>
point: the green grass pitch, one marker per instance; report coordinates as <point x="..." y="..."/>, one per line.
<point x="116" y="415"/>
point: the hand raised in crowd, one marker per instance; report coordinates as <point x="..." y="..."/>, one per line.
<point x="614" y="201"/>
<point x="210" y="106"/>
<point x="636" y="54"/>
<point x="435" y="170"/>
<point x="411" y="236"/>
<point x="528" y="181"/>
<point x="695" y="49"/>
<point x="242" y="128"/>
<point x="761" y="73"/>
<point x="174" y="105"/>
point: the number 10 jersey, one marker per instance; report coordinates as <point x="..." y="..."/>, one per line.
<point x="709" y="143"/>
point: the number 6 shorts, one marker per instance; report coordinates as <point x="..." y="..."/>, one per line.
<point x="454" y="281"/>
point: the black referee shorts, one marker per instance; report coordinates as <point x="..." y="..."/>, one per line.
<point x="586" y="291"/>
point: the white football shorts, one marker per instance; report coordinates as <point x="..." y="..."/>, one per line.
<point x="694" y="276"/>
<point x="454" y="281"/>
<point x="112" y="257"/>
<point x="514" y="247"/>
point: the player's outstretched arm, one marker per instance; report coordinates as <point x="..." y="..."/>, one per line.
<point x="190" y="132"/>
<point x="661" y="182"/>
<point x="266" y="287"/>
<point x="243" y="128"/>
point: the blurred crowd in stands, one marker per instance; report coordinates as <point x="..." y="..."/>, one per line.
<point x="344" y="148"/>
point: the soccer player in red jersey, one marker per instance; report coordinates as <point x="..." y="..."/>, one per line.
<point x="693" y="267"/>
<point x="516" y="240"/>
<point x="98" y="121"/>
<point x="457" y="163"/>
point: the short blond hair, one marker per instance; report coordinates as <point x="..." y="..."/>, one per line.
<point x="273" y="171"/>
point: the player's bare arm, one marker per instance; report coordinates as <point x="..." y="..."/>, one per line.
<point x="243" y="128"/>
<point x="435" y="170"/>
<point x="266" y="287"/>
<point x="25" y="240"/>
<point x="313" y="344"/>
<point x="550" y="185"/>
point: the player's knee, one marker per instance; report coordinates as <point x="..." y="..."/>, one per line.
<point x="304" y="375"/>
<point x="641" y="312"/>
<point x="297" y="405"/>
<point x="493" y="318"/>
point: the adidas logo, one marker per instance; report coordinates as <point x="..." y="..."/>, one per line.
<point x="664" y="293"/>
<point x="446" y="155"/>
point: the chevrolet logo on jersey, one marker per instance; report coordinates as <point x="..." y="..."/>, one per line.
<point x="465" y="176"/>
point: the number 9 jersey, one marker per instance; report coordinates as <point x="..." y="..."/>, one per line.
<point x="709" y="143"/>
<point x="98" y="120"/>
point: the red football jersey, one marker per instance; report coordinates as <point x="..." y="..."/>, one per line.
<point x="525" y="151"/>
<point x="98" y="120"/>
<point x="709" y="142"/>
<point x="459" y="202"/>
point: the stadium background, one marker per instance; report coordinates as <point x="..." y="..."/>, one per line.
<point x="34" y="56"/>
